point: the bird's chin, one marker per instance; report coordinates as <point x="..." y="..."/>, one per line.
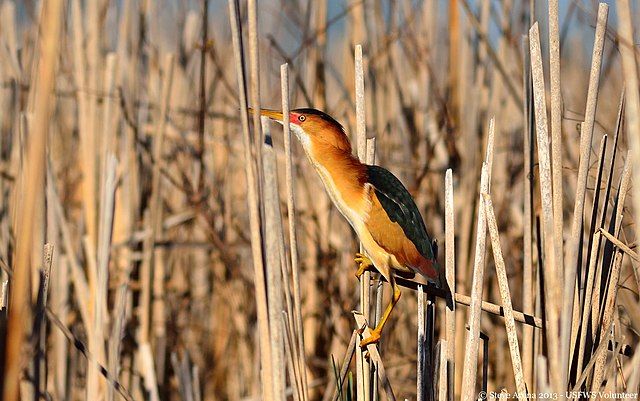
<point x="302" y="136"/>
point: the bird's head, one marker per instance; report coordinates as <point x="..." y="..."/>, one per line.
<point x="313" y="128"/>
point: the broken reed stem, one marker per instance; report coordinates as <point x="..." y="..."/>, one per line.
<point x="632" y="107"/>
<point x="253" y="206"/>
<point x="34" y="171"/>
<point x="293" y="239"/>
<point x="450" y="274"/>
<point x="473" y="335"/>
<point x="551" y="285"/>
<point x="462" y="299"/>
<point x="363" y="366"/>
<point x="503" y="284"/>
<point x="573" y="244"/>
<point x="621" y="245"/>
<point x="273" y="235"/>
<point x="375" y="357"/>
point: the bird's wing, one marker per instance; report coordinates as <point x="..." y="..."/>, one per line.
<point x="401" y="209"/>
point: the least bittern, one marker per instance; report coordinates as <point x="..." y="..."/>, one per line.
<point x="376" y="204"/>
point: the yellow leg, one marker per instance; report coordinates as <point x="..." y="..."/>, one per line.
<point x="375" y="333"/>
<point x="365" y="264"/>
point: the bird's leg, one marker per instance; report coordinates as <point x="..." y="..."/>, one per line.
<point x="365" y="264"/>
<point x="375" y="333"/>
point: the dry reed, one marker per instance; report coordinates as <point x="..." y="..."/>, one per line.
<point x="171" y="276"/>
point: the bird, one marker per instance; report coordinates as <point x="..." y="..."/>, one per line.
<point x="376" y="204"/>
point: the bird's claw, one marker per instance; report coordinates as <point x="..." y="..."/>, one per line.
<point x="374" y="338"/>
<point x="364" y="262"/>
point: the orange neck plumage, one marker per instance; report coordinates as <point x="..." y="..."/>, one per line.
<point x="343" y="175"/>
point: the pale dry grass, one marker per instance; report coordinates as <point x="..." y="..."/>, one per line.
<point x="128" y="148"/>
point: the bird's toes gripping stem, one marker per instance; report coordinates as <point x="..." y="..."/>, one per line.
<point x="374" y="338"/>
<point x="365" y="264"/>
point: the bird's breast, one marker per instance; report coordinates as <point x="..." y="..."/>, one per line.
<point x="350" y="200"/>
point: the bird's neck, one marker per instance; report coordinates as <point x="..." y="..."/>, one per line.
<point x="343" y="175"/>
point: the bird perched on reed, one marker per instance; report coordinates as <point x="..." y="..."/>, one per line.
<point x="376" y="204"/>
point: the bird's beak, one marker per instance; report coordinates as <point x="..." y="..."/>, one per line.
<point x="272" y="114"/>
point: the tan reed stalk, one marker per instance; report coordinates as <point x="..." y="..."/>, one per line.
<point x="371" y="159"/>
<point x="119" y="318"/>
<point x="153" y="216"/>
<point x="527" y="268"/>
<point x="293" y="238"/>
<point x="34" y="171"/>
<point x="505" y="294"/>
<point x="273" y="233"/>
<point x="291" y="354"/>
<point x="556" y="130"/>
<point x="266" y="370"/>
<point x="473" y="336"/>
<point x="551" y="284"/>
<point x="620" y="245"/>
<point x="99" y="293"/>
<point x="440" y="370"/>
<point x="293" y="366"/>
<point x="571" y="256"/>
<point x="450" y="275"/>
<point x="39" y="333"/>
<point x="602" y="349"/>
<point x="421" y="370"/>
<point x="60" y="305"/>
<point x="462" y="299"/>
<point x="632" y="108"/>
<point x="615" y="227"/>
<point x="108" y="129"/>
<point x="592" y="258"/>
<point x="607" y="314"/>
<point x="542" y="374"/>
<point x="363" y="372"/>
<point x="147" y="370"/>
<point x="81" y="288"/>
<point x="86" y="124"/>
<point x="254" y="73"/>
<point x="454" y="56"/>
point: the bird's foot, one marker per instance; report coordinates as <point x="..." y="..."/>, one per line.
<point x="374" y="338"/>
<point x="365" y="264"/>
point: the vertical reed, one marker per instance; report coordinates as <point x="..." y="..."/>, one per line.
<point x="551" y="284"/>
<point x="34" y="171"/>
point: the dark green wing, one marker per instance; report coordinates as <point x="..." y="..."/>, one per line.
<point x="401" y="208"/>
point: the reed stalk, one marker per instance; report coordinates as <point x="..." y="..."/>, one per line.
<point x="34" y="171"/>
<point x="468" y="391"/>
<point x="571" y="255"/>
<point x="552" y="291"/>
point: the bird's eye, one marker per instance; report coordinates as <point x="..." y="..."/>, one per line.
<point x="301" y="118"/>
